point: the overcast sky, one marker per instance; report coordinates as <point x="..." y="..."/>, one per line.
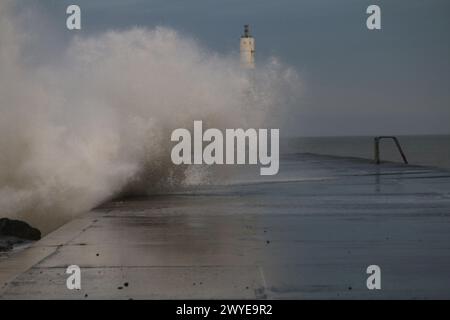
<point x="356" y="81"/>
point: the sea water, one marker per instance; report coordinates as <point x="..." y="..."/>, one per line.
<point x="427" y="150"/>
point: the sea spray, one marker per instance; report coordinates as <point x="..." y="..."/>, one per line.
<point x="97" y="122"/>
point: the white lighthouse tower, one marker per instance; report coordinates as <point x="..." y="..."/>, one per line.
<point x="247" y="49"/>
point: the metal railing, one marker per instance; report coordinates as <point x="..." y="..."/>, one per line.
<point x="377" y="148"/>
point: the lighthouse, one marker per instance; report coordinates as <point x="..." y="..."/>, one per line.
<point x="247" y="49"/>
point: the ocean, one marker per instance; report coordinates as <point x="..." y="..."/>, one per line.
<point x="427" y="150"/>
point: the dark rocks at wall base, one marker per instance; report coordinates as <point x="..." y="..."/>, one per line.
<point x="8" y="243"/>
<point x="5" y="246"/>
<point x="19" y="229"/>
<point x="15" y="232"/>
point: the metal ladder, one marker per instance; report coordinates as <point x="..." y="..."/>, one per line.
<point x="377" y="148"/>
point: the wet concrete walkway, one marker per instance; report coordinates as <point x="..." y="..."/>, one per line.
<point x="309" y="233"/>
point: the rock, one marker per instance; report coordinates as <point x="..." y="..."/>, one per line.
<point x="19" y="229"/>
<point x="7" y="243"/>
<point x="5" y="246"/>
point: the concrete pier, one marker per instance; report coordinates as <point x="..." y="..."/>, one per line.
<point x="314" y="237"/>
